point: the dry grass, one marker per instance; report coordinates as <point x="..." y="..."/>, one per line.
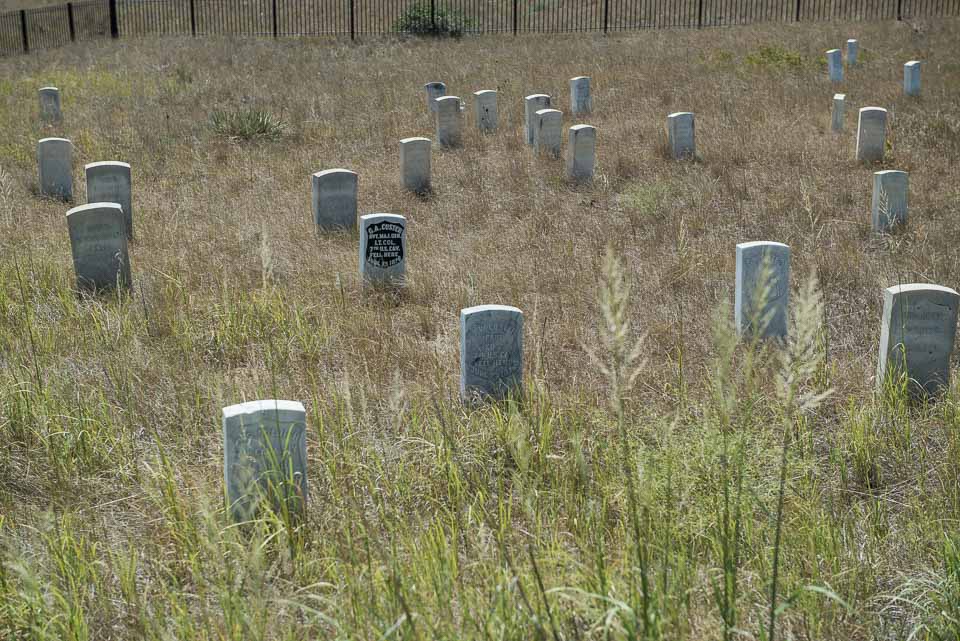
<point x="424" y="517"/>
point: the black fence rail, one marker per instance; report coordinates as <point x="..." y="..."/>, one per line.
<point x="48" y="27"/>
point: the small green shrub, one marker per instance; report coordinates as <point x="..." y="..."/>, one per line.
<point x="248" y="124"/>
<point x="775" y="57"/>
<point x="445" y="22"/>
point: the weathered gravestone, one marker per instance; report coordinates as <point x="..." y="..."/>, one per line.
<point x="916" y="336"/>
<point x="871" y="134"/>
<point x="335" y="199"/>
<point x="581" y="152"/>
<point x="265" y="457"/>
<point x="839" y="111"/>
<point x="547" y="132"/>
<point x="50" y="111"/>
<point x="531" y="105"/>
<point x="889" y="208"/>
<point x="581" y="102"/>
<point x="491" y="351"/>
<point x="415" y="164"/>
<point x="98" y="241"/>
<point x="109" y="182"/>
<point x="449" y="121"/>
<point x="911" y="78"/>
<point x="434" y="90"/>
<point x="55" y="167"/>
<point x="485" y="110"/>
<point x="383" y="249"/>
<point x="762" y="266"/>
<point x="681" y="135"/>
<point x="835" y="65"/>
<point x="853" y="52"/>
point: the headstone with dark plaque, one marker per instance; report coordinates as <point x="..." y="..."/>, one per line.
<point x="383" y="249"/>
<point x="918" y="327"/>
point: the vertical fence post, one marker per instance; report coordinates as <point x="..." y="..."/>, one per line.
<point x="70" y="22"/>
<point x="606" y="15"/>
<point x="275" y="18"/>
<point x="193" y="19"/>
<point x="353" y="30"/>
<point x="514" y="17"/>
<point x="114" y="23"/>
<point x="23" y="31"/>
<point x="700" y="14"/>
<point x="797" y="16"/>
<point x="899" y="9"/>
<point x="433" y="16"/>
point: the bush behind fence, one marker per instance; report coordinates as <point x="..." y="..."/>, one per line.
<point x="46" y="27"/>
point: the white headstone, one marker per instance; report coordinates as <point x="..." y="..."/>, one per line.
<point x="98" y="241"/>
<point x="681" y="135"/>
<point x="485" y="110"/>
<point x="581" y="102"/>
<point x="853" y="51"/>
<point x="335" y="199"/>
<point x="753" y="317"/>
<point x="916" y="336"/>
<point x="55" y="165"/>
<point x="581" y="152"/>
<point x="835" y="65"/>
<point x="434" y="90"/>
<point x="911" y="78"/>
<point x="50" y="111"/>
<point x="839" y="111"/>
<point x="871" y="134"/>
<point x="415" y="164"/>
<point x="265" y="457"/>
<point x="109" y="182"/>
<point x="889" y="199"/>
<point x="449" y="121"/>
<point x="383" y="248"/>
<point x="547" y="132"/>
<point x="531" y="105"/>
<point x="491" y="351"/>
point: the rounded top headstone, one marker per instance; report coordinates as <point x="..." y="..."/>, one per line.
<point x="921" y="287"/>
<point x="49" y="140"/>
<point x="484" y="92"/>
<point x="106" y="163"/>
<point x="548" y="112"/>
<point x="253" y="407"/>
<point x="534" y="96"/>
<point x="872" y="110"/>
<point x="582" y="127"/>
<point x="405" y="141"/>
<point x="677" y="114"/>
<point x="447" y="99"/>
<point x="761" y="243"/>
<point x="489" y="308"/>
<point x="334" y="172"/>
<point x="49" y="89"/>
<point x="83" y="209"/>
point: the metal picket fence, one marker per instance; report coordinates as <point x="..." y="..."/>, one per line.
<point x="31" y="29"/>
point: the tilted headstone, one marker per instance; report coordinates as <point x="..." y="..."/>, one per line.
<point x="531" y="105"/>
<point x="265" y="457"/>
<point x="335" y="199"/>
<point x="758" y="315"/>
<point x="415" y="164"/>
<point x="681" y="135"/>
<point x="581" y="102"/>
<point x="50" y="110"/>
<point x="889" y="207"/>
<point x="449" y="121"/>
<point x="547" y="132"/>
<point x="491" y="351"/>
<point x="109" y="182"/>
<point x="55" y="167"/>
<point x="581" y="152"/>
<point x="839" y="111"/>
<point x="871" y="134"/>
<point x="383" y="249"/>
<point x="98" y="241"/>
<point x="911" y="78"/>
<point x="916" y="336"/>
<point x="853" y="52"/>
<point x="835" y="65"/>
<point x="434" y="90"/>
<point x="485" y="110"/>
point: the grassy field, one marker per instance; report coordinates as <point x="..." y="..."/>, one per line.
<point x="594" y="506"/>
